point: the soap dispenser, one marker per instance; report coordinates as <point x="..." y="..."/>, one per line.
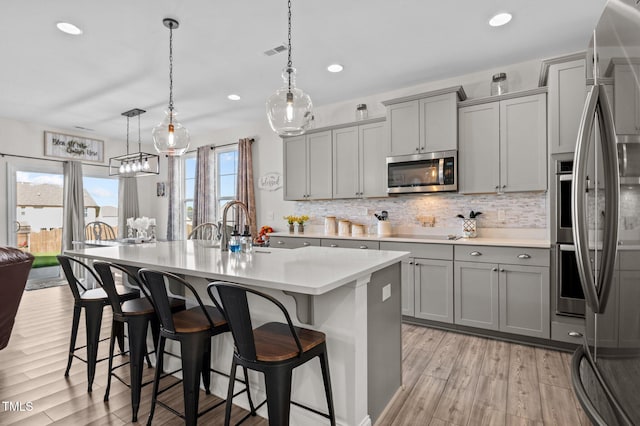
<point x="234" y="242"/>
<point x="245" y="241"/>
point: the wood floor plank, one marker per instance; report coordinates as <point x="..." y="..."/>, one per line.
<point x="469" y="360"/>
<point x="521" y="421"/>
<point x="38" y="419"/>
<point x="552" y="368"/>
<point x="422" y="401"/>
<point x="523" y="389"/>
<point x="558" y="407"/>
<point x="485" y="416"/>
<point x="496" y="360"/>
<point x="457" y="399"/>
<point x="445" y="356"/>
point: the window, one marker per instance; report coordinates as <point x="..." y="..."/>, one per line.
<point x="190" y="162"/>
<point x="225" y="170"/>
<point x="101" y="200"/>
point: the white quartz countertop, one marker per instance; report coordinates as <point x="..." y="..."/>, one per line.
<point x="311" y="270"/>
<point x="435" y="239"/>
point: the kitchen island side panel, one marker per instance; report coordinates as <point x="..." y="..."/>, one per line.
<point x="384" y="343"/>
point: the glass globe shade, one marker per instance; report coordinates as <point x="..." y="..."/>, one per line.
<point x="170" y="137"/>
<point x="289" y="109"/>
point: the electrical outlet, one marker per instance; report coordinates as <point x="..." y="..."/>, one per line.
<point x="502" y="216"/>
<point x="386" y="292"/>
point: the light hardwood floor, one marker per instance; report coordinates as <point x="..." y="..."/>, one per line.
<point x="449" y="379"/>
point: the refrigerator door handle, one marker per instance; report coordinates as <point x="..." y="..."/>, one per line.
<point x="612" y="198"/>
<point x="578" y="191"/>
<point x="596" y="105"/>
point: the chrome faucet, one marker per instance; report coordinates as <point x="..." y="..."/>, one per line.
<point x="224" y="241"/>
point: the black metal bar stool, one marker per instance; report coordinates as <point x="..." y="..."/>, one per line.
<point x="193" y="328"/>
<point x="93" y="301"/>
<point x="274" y="349"/>
<point x="138" y="314"/>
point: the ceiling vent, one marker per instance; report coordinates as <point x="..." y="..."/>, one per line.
<point x="83" y="128"/>
<point x="274" y="51"/>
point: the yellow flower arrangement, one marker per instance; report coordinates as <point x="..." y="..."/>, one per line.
<point x="293" y="219"/>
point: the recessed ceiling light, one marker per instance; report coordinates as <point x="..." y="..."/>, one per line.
<point x="335" y="68"/>
<point x="234" y="97"/>
<point x="68" y="28"/>
<point x="500" y="19"/>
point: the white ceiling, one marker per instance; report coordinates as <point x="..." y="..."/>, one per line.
<point x="121" y="60"/>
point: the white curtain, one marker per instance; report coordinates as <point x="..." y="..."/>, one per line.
<point x="204" y="193"/>
<point x="175" y="222"/>
<point x="73" y="205"/>
<point x="128" y="203"/>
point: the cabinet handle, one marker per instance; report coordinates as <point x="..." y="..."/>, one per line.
<point x="504" y="186"/>
<point x="306" y="244"/>
<point x="410" y="263"/>
<point x="574" y="334"/>
<point x="502" y="270"/>
<point x="475" y="253"/>
<point x="494" y="269"/>
<point x="280" y="242"/>
<point x="524" y="256"/>
<point x="333" y="245"/>
<point x="363" y="247"/>
<point x="497" y="186"/>
<point x="417" y="149"/>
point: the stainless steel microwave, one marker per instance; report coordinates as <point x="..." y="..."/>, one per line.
<point x="430" y="172"/>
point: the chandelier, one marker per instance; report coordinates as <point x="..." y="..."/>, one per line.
<point x="137" y="163"/>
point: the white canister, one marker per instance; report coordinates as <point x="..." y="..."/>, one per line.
<point x="384" y="228"/>
<point x="330" y="225"/>
<point x="344" y="228"/>
<point x="357" y="230"/>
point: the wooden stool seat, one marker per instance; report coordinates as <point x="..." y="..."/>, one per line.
<point x="274" y="341"/>
<point x="194" y="321"/>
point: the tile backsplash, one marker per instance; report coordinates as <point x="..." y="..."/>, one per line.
<point x="521" y="210"/>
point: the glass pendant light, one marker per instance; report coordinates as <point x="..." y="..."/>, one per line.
<point x="170" y="137"/>
<point x="289" y="109"/>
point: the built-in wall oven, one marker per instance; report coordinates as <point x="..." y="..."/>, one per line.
<point x="569" y="293"/>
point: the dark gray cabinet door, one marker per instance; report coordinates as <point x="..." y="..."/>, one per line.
<point x="434" y="290"/>
<point x="476" y="294"/>
<point x="524" y="300"/>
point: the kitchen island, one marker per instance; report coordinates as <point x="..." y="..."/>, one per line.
<point x="353" y="296"/>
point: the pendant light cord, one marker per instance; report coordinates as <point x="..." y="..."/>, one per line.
<point x="289" y="62"/>
<point x="127" y="135"/>
<point x="171" y="72"/>
<point x="139" y="138"/>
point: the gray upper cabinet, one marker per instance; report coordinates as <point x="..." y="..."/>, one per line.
<point x="307" y="166"/>
<point x="423" y="123"/>
<point x="503" y="144"/>
<point x="566" y="83"/>
<point x="404" y="128"/>
<point x="359" y="161"/>
<point x="479" y="155"/>
<point x="626" y="97"/>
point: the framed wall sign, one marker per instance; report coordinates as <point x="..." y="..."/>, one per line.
<point x="73" y="147"/>
<point x="270" y="181"/>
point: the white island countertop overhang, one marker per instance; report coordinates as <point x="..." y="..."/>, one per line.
<point x="310" y="271"/>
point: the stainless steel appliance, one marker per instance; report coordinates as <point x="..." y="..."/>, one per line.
<point x="429" y="172"/>
<point x="569" y="295"/>
<point x="606" y="370"/>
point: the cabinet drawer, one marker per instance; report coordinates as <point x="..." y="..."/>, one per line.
<point x="294" y="242"/>
<point x="358" y="244"/>
<point x="507" y="255"/>
<point x="426" y="251"/>
<point x="565" y="332"/>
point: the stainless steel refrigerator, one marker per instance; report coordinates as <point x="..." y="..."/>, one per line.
<point x="606" y="220"/>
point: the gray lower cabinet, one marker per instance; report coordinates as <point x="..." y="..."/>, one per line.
<point x="512" y="298"/>
<point x="433" y="291"/>
<point x="476" y="295"/>
<point x="427" y="280"/>
<point x="294" y="242"/>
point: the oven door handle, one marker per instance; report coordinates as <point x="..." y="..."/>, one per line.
<point x="565" y="178"/>
<point x="596" y="105"/>
<point x="567" y="247"/>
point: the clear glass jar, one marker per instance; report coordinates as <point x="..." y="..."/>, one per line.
<point x="499" y="84"/>
<point x="361" y="112"/>
<point x="234" y="241"/>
